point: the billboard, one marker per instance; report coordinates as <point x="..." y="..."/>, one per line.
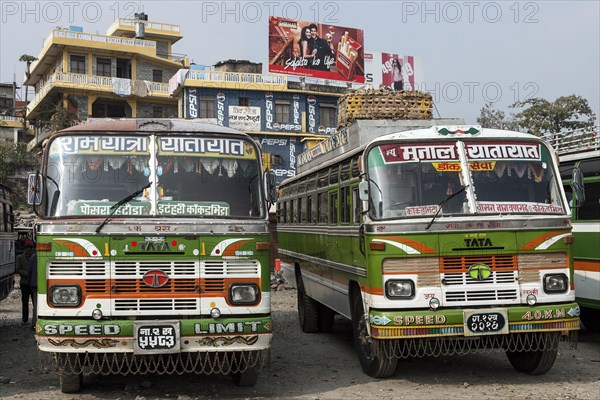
<point x="396" y="71"/>
<point x="316" y="50"/>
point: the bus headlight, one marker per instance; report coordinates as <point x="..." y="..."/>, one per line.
<point x="556" y="283"/>
<point x="65" y="296"/>
<point x="400" y="289"/>
<point x="244" y="293"/>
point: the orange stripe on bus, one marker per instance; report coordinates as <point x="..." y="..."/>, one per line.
<point x="592" y="266"/>
<point x="532" y="244"/>
<point x="423" y="248"/>
<point x="78" y="250"/>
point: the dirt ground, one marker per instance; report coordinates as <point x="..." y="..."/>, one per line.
<point x="310" y="366"/>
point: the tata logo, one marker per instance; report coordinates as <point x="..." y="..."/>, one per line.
<point x="155" y="278"/>
<point x="478" y="242"/>
<point x="154" y="246"/>
<point x="480" y="272"/>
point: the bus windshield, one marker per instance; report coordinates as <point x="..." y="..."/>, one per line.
<point x="411" y="180"/>
<point x="189" y="176"/>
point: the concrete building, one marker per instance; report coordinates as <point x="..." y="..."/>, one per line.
<point x="284" y="114"/>
<point x="12" y="126"/>
<point x="124" y="73"/>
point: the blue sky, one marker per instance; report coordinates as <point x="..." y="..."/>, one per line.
<point x="472" y="52"/>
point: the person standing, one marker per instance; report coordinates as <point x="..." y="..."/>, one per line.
<point x="33" y="284"/>
<point x="324" y="55"/>
<point x="397" y="74"/>
<point x="307" y="51"/>
<point x="23" y="271"/>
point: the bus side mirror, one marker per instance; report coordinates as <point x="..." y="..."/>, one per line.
<point x="578" y="188"/>
<point x="34" y="189"/>
<point x="270" y="187"/>
<point x="363" y="191"/>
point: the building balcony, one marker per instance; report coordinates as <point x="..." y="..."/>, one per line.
<point x="8" y="121"/>
<point x="156" y="30"/>
<point x="235" y="80"/>
<point x="60" y="38"/>
<point x="97" y="85"/>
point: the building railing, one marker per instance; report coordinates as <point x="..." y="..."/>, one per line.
<point x="65" y="33"/>
<point x="148" y="24"/>
<point x="10" y="118"/>
<point x="576" y="141"/>
<point x="104" y="38"/>
<point x="93" y="82"/>
<point x="241" y="77"/>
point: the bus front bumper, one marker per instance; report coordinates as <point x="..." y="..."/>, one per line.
<point x="386" y="324"/>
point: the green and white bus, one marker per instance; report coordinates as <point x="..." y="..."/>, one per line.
<point x="153" y="251"/>
<point x="580" y="150"/>
<point x="437" y="241"/>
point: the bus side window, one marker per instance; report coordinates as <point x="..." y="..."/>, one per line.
<point x="333" y="208"/>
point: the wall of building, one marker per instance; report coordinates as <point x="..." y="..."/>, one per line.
<point x="262" y="108"/>
<point x="82" y="106"/>
<point x="144" y="71"/>
<point x="146" y="110"/>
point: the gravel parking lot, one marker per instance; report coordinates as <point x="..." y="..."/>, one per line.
<point x="310" y="366"/>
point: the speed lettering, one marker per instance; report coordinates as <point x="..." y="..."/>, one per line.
<point x="408" y="320"/>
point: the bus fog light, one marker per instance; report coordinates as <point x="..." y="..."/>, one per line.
<point x="531" y="299"/>
<point x="556" y="283"/>
<point x="215" y="313"/>
<point x="244" y="294"/>
<point x="434" y="303"/>
<point x="400" y="289"/>
<point x="97" y="314"/>
<point x="64" y="296"/>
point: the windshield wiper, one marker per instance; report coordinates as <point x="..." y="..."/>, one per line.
<point x="119" y="203"/>
<point x="441" y="205"/>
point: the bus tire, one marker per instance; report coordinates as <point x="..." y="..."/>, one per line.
<point x="247" y="378"/>
<point x="326" y="316"/>
<point x="373" y="365"/>
<point x="533" y="362"/>
<point x="308" y="310"/>
<point x="70" y="383"/>
<point x="591" y="319"/>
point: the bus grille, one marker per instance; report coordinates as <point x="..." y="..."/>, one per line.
<point x="191" y="277"/>
<point x="157" y="304"/>
<point x="480" y="295"/>
<point x="501" y="287"/>
<point x="498" y="262"/>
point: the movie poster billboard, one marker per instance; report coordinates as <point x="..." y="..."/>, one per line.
<point x="393" y="70"/>
<point x="316" y="50"/>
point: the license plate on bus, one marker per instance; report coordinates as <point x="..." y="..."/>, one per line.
<point x="156" y="337"/>
<point x="489" y="322"/>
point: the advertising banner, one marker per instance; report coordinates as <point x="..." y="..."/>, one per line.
<point x="244" y="118"/>
<point x="315" y="50"/>
<point x="396" y="71"/>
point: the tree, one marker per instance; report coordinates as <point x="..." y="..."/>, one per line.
<point x="566" y="113"/>
<point x="490" y="118"/>
<point x="26" y="58"/>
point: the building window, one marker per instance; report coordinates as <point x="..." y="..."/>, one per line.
<point x="157" y="112"/>
<point x="77" y="64"/>
<point x="244" y="102"/>
<point x="282" y="112"/>
<point x="157" y="75"/>
<point x="207" y="107"/>
<point x="103" y="67"/>
<point x="327" y="115"/>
